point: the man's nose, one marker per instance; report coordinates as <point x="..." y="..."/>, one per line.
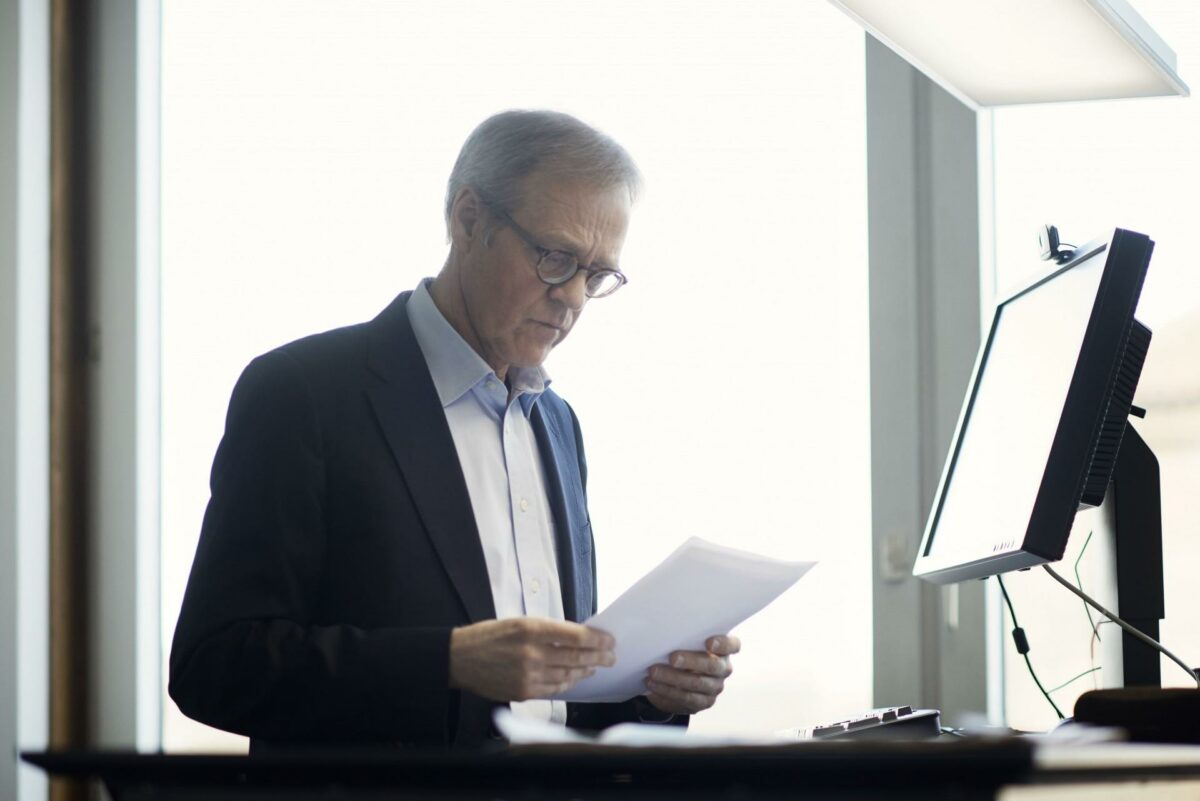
<point x="573" y="293"/>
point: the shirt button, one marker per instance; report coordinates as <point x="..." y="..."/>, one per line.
<point x="535" y="585"/>
<point x="524" y="505"/>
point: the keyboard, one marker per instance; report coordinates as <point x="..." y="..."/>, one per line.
<point x="890" y="723"/>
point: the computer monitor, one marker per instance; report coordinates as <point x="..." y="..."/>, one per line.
<point x="1044" y="416"/>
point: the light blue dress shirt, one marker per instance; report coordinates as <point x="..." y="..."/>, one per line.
<point x="503" y="470"/>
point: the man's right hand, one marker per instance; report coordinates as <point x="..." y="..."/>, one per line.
<point x="520" y="658"/>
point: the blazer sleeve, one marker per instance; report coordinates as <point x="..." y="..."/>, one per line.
<point x="247" y="655"/>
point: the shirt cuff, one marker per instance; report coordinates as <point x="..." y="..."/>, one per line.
<point x="649" y="713"/>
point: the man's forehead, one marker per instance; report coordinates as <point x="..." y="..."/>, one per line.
<point x="547" y="191"/>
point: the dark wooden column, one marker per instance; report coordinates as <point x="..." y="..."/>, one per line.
<point x="69" y="396"/>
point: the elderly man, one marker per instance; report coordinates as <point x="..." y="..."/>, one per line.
<point x="398" y="538"/>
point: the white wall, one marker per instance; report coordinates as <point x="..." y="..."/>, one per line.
<point x="723" y="393"/>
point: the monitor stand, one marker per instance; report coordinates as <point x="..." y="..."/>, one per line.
<point x="1137" y="500"/>
<point x="1147" y="711"/>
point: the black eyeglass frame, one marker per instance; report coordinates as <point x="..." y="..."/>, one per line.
<point x="543" y="252"/>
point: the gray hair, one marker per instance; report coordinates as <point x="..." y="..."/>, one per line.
<point x="508" y="147"/>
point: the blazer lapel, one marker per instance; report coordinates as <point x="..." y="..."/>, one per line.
<point x="576" y="597"/>
<point x="414" y="424"/>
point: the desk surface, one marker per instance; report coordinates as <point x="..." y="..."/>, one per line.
<point x="1054" y="758"/>
<point x="946" y="768"/>
<point x="823" y="769"/>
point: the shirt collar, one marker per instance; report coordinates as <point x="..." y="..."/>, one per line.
<point x="454" y="365"/>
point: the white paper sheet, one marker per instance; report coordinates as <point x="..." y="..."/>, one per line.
<point x="700" y="590"/>
<point x="527" y="731"/>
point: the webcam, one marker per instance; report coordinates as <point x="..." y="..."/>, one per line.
<point x="1050" y="246"/>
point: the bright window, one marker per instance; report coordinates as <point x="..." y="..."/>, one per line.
<point x="724" y="393"/>
<point x="1089" y="167"/>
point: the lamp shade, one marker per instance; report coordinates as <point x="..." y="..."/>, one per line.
<point x="1007" y="52"/>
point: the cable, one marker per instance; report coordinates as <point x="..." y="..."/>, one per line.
<point x="1132" y="631"/>
<point x="1074" y="679"/>
<point x="1023" y="647"/>
<point x="1087" y="610"/>
<point x="1092" y="647"/>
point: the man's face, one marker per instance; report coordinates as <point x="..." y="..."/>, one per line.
<point x="516" y="318"/>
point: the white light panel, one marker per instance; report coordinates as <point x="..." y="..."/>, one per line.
<point x="1007" y="52"/>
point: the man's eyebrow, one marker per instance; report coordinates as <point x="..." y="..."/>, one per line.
<point x="558" y="242"/>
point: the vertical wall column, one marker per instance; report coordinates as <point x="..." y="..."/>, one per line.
<point x="122" y="180"/>
<point x="24" y="391"/>
<point x="923" y="218"/>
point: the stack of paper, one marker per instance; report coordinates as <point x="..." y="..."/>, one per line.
<point x="698" y="591"/>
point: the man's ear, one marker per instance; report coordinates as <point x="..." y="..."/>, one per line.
<point x="466" y="219"/>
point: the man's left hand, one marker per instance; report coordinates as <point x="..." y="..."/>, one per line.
<point x="693" y="679"/>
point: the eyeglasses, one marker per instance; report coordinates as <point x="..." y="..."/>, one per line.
<point x="557" y="267"/>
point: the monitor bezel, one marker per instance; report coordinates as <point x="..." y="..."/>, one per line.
<point x="1092" y="383"/>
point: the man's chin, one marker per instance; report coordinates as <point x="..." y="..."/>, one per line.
<point x="532" y="351"/>
<point x="531" y="358"/>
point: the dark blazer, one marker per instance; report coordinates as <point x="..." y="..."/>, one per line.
<point x="339" y="549"/>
